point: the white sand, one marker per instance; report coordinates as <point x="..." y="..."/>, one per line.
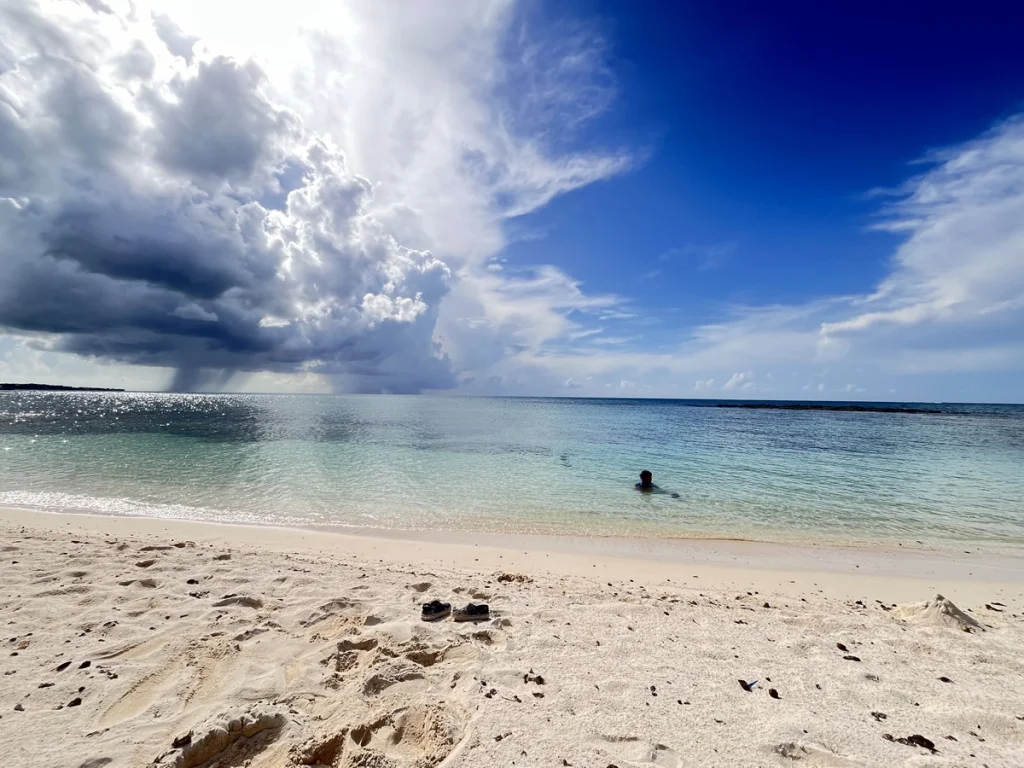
<point x="267" y="647"/>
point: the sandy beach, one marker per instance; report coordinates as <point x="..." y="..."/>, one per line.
<point x="137" y="642"/>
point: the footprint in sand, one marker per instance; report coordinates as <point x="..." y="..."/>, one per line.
<point x="348" y="653"/>
<point x="403" y="738"/>
<point x="404" y="662"/>
<point x="243" y="600"/>
<point x="635" y="751"/>
<point x="76" y="590"/>
<point x="423" y="655"/>
<point x="249" y="634"/>
<point x="384" y="661"/>
<point x="811" y="754"/>
<point x="192" y="674"/>
<point x="135" y="650"/>
<point x="393" y="674"/>
<point x="492" y="638"/>
<point x="139" y="697"/>
<point x="329" y="610"/>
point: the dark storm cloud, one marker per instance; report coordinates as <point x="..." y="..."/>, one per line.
<point x="218" y="124"/>
<point x="86" y="119"/>
<point x="133" y="227"/>
<point x="51" y="296"/>
<point x="16" y="168"/>
<point x="177" y="252"/>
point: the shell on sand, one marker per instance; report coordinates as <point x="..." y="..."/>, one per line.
<point x="937" y="612"/>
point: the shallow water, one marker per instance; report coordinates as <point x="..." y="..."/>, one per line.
<point x="521" y="465"/>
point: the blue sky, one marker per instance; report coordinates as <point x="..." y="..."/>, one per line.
<point x="787" y="200"/>
<point x="766" y="125"/>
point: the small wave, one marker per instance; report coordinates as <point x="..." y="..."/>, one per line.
<point x="122" y="507"/>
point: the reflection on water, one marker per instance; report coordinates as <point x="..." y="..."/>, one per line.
<point x="522" y="465"/>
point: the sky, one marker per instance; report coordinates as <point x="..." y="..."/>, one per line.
<point x="588" y="198"/>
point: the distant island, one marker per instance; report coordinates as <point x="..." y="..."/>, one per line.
<point x="53" y="388"/>
<point x="819" y="407"/>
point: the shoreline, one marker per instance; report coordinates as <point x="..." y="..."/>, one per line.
<point x="838" y="571"/>
<point x="800" y="538"/>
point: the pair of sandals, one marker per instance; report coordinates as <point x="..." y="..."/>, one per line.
<point x="435" y="610"/>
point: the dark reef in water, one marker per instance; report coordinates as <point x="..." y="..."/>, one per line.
<point x="817" y="407"/>
<point x="53" y="388"/>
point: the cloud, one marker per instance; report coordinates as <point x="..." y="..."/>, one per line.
<point x="466" y="118"/>
<point x="739" y="381"/>
<point x="215" y="122"/>
<point x="172" y="36"/>
<point x="961" y="261"/>
<point x="952" y="302"/>
<point x="492" y="322"/>
<point x="323" y="190"/>
<point x="167" y="201"/>
<point x="704" y="385"/>
<point x="611" y="340"/>
<point x="195" y="312"/>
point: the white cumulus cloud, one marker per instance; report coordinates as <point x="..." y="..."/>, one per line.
<point x="289" y="188"/>
<point x="743" y="380"/>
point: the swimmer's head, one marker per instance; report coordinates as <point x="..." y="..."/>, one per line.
<point x="646" y="477"/>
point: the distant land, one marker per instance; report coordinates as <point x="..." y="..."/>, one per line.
<point x="815" y="407"/>
<point x="53" y="388"/>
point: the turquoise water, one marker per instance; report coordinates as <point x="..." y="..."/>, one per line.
<point x="521" y="465"/>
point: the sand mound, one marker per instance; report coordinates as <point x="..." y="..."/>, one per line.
<point x="231" y="740"/>
<point x="414" y="737"/>
<point x="937" y="612"/>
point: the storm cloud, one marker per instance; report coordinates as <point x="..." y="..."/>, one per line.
<point x="158" y="208"/>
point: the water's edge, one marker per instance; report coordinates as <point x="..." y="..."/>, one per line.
<point x="629" y="545"/>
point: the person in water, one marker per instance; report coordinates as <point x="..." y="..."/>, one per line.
<point x="646" y="482"/>
<point x="647" y="485"/>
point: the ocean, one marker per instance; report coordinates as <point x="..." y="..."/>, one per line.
<point x="522" y="465"/>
